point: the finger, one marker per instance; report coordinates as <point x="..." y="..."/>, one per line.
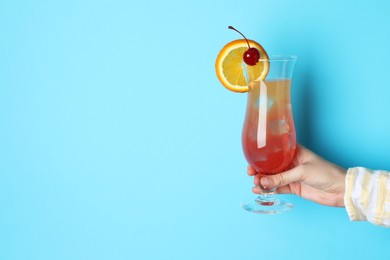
<point x="282" y="179"/>
<point x="284" y="190"/>
<point x="251" y="171"/>
<point x="256" y="179"/>
<point x="256" y="190"/>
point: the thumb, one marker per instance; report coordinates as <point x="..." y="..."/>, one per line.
<point x="282" y="179"/>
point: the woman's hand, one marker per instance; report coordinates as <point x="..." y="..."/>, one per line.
<point x="310" y="177"/>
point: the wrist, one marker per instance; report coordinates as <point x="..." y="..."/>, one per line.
<point x="341" y="175"/>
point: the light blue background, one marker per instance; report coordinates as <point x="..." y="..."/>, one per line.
<point x="118" y="142"/>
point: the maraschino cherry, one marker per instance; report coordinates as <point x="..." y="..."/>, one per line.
<point x="252" y="55"/>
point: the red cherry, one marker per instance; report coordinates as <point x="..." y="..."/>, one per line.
<point x="250" y="56"/>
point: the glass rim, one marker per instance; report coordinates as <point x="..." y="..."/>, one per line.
<point x="278" y="57"/>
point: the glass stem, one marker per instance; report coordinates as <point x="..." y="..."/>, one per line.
<point x="265" y="191"/>
<point x="267" y="197"/>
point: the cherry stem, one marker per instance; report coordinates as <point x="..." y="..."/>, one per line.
<point x="232" y="28"/>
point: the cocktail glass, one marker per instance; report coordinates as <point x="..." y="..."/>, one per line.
<point x="268" y="135"/>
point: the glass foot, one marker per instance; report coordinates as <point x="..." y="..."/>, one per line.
<point x="267" y="204"/>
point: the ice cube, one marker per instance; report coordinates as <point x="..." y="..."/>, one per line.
<point x="279" y="127"/>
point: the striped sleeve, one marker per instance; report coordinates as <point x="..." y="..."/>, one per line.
<point x="367" y="195"/>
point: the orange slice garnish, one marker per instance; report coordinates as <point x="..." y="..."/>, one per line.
<point x="229" y="65"/>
